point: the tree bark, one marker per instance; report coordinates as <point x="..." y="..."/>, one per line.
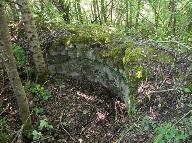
<point x="172" y="20"/>
<point x="111" y="11"/>
<point x="34" y="45"/>
<point x="127" y="13"/>
<point x="11" y="69"/>
<point x="80" y="14"/>
<point x="94" y="13"/>
<point x="64" y="8"/>
<point x="130" y="14"/>
<point x="138" y="13"/>
<point x="103" y="12"/>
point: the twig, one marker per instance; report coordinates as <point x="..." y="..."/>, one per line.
<point x="160" y="91"/>
<point x="4" y="110"/>
<point x="60" y="120"/>
<point x="18" y="133"/>
<point x="182" y="117"/>
<point x="98" y="16"/>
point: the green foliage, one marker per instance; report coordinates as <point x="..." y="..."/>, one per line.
<point x="164" y="57"/>
<point x="21" y="60"/>
<point x="44" y="124"/>
<point x="5" y="134"/>
<point x="132" y="55"/>
<point x="86" y="34"/>
<point x="59" y="82"/>
<point x="146" y="19"/>
<point x="19" y="55"/>
<point x="134" y="71"/>
<point x="38" y="91"/>
<point x="46" y="14"/>
<point x="186" y="123"/>
<point x="168" y="132"/>
<point x="129" y="57"/>
<point x="37" y="136"/>
<point x="38" y="110"/>
<point x="187" y="90"/>
<point x="148" y="124"/>
<point x="3" y="122"/>
<point x="114" y="54"/>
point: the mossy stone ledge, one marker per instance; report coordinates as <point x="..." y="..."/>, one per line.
<point x="117" y="64"/>
<point x="82" y="61"/>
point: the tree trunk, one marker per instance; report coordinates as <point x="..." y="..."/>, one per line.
<point x="34" y="44"/>
<point x="127" y="13"/>
<point x="172" y="20"/>
<point x="98" y="12"/>
<point x="111" y="11"/>
<point x="10" y="65"/>
<point x="138" y="13"/>
<point x="14" y="11"/>
<point x="80" y="15"/>
<point x="64" y="8"/>
<point x="95" y="16"/>
<point x="130" y="14"/>
<point x="103" y="12"/>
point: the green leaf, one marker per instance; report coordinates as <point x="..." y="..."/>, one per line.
<point x="3" y="122"/>
<point x="44" y="124"/>
<point x="187" y="90"/>
<point x="37" y="135"/>
<point x="38" y="110"/>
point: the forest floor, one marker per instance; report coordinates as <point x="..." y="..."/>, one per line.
<point x="82" y="111"/>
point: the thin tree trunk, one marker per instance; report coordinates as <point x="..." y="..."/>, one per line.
<point x="95" y="11"/>
<point x="10" y="65"/>
<point x="130" y="14"/>
<point x="172" y="20"/>
<point x="34" y="44"/>
<point x="98" y="12"/>
<point x="156" y="19"/>
<point x="127" y="13"/>
<point x="14" y="11"/>
<point x="138" y="13"/>
<point x="64" y="8"/>
<point x="103" y="11"/>
<point x="111" y="11"/>
<point x="80" y="15"/>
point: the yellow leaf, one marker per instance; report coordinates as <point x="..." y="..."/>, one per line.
<point x="139" y="74"/>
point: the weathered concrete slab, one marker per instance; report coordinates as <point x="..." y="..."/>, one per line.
<point x="80" y="61"/>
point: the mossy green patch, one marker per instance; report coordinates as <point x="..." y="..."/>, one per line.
<point x="132" y="55"/>
<point x="82" y="34"/>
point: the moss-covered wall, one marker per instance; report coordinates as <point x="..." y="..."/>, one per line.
<point x="79" y="61"/>
<point x="105" y="56"/>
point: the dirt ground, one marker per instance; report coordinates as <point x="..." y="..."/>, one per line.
<point x="82" y="111"/>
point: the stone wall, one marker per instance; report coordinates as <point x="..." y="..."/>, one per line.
<point x="82" y="61"/>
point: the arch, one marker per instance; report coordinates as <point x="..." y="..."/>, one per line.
<point x="80" y="61"/>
